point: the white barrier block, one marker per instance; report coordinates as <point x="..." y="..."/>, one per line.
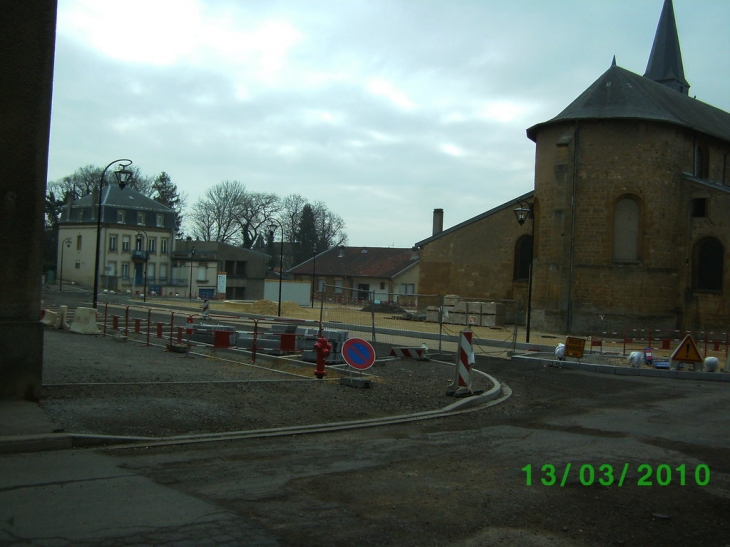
<point x="85" y="321"/>
<point x="61" y="322"/>
<point x="48" y="317"/>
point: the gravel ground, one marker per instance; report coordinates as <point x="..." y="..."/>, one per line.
<point x="100" y="385"/>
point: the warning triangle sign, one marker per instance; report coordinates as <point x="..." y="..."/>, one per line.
<point x="687" y="351"/>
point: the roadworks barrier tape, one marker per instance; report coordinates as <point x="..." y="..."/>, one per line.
<point x="85" y="321"/>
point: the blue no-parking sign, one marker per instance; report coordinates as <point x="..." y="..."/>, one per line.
<point x="358" y="353"/>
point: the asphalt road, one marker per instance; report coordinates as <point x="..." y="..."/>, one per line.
<point x="463" y="480"/>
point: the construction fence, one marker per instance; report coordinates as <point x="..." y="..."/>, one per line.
<point x="386" y="323"/>
<point x="394" y="322"/>
<point x="418" y="320"/>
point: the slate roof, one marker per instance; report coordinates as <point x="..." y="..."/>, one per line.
<point x="113" y="196"/>
<point x="665" y="61"/>
<point x="383" y="262"/>
<point x="621" y="94"/>
<point x="512" y="204"/>
<point x="214" y="248"/>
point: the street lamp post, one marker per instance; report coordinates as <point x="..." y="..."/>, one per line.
<point x="67" y="243"/>
<point x="523" y="212"/>
<point x="272" y="228"/>
<point x="314" y="273"/>
<point x="145" y="257"/>
<point x="190" y="289"/>
<point x="124" y="176"/>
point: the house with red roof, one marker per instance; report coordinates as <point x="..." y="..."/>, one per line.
<point x="355" y="274"/>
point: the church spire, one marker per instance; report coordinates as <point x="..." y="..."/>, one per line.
<point x="665" y="62"/>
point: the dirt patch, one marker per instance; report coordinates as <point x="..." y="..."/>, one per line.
<point x="103" y="386"/>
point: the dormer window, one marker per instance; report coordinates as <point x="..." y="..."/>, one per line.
<point x="120" y="217"/>
<point x="140" y="219"/>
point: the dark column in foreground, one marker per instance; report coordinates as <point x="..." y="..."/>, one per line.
<point x="27" y="41"/>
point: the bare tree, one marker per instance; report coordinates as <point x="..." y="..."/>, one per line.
<point x="229" y="214"/>
<point x="330" y="227"/>
<point x="85" y="180"/>
<point x="290" y="215"/>
<point x="213" y="217"/>
<point x="253" y="215"/>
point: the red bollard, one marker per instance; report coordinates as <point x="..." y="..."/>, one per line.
<point x="159" y="330"/>
<point x="180" y="335"/>
<point x="115" y="322"/>
<point x="137" y="325"/>
<point x="323" y="349"/>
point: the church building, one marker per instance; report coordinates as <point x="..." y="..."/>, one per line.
<point x="628" y="224"/>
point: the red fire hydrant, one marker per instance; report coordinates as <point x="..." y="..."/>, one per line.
<point x="323" y="349"/>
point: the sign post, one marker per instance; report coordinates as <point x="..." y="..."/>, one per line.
<point x="360" y="355"/>
<point x="575" y="347"/>
<point x="686" y="352"/>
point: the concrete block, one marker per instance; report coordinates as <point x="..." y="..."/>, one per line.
<point x="656" y="373"/>
<point x="489" y="320"/>
<point x="456" y="318"/>
<point x="361" y="383"/>
<point x="496" y="308"/>
<point x="605" y="369"/>
<point x="451" y="299"/>
<point x="432" y="314"/>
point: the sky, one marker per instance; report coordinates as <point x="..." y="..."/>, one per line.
<point x="383" y="109"/>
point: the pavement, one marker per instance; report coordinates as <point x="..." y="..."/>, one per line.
<point x="52" y="495"/>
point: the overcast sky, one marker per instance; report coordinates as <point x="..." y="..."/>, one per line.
<point x="383" y="109"/>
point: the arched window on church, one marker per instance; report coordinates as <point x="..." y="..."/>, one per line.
<point x="523" y="258"/>
<point x="626" y="226"/>
<point x="702" y="162"/>
<point x="708" y="263"/>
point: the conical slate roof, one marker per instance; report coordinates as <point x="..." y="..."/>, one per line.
<point x="620" y="93"/>
<point x="665" y="62"/>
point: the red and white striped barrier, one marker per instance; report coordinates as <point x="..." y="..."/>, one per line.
<point x="206" y="308"/>
<point x="464" y="361"/>
<point x="419" y="354"/>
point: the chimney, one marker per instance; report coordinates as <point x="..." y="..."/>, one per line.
<point x="69" y="203"/>
<point x="438" y="221"/>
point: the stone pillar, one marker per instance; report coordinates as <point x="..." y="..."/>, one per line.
<point x="27" y="42"/>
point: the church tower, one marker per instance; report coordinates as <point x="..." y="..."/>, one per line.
<point x="665" y="62"/>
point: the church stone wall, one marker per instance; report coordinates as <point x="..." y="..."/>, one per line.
<point x="611" y="160"/>
<point x="476" y="261"/>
